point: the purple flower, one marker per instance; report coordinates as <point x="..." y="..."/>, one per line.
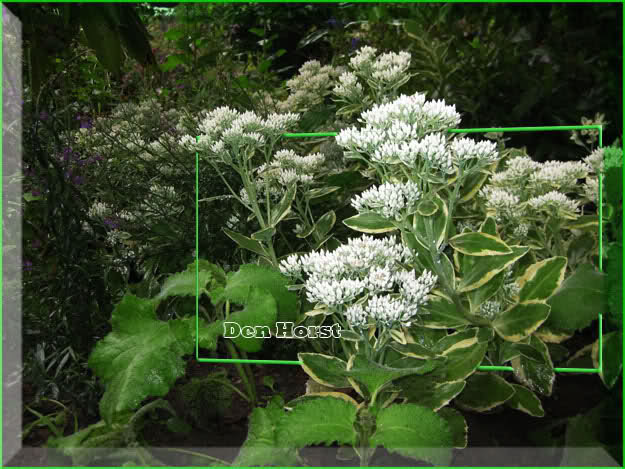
<point x="86" y="124"/>
<point x="35" y="193"/>
<point x="43" y="115"/>
<point x="334" y="23"/>
<point x="97" y="157"/>
<point x="35" y="244"/>
<point x="355" y="42"/>
<point x="78" y="180"/>
<point x="27" y="266"/>
<point x="111" y="223"/>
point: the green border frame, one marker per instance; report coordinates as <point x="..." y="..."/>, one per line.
<point x="457" y="131"/>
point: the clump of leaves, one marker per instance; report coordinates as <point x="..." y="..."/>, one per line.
<point x="206" y="399"/>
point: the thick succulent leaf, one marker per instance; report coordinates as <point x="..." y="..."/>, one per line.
<point x="324" y="369"/>
<point x="373" y="376"/>
<point x="462" y="362"/>
<point x="318" y="421"/>
<point x="526" y="401"/>
<point x="612" y="362"/>
<point x="325" y="224"/>
<point x="538" y="376"/>
<point x="479" y="295"/>
<point x="415" y="432"/>
<point x="442" y="313"/>
<point x="266" y="278"/>
<point x="484" y="391"/>
<point x="479" y="244"/>
<point x="457" y="340"/>
<point x="262" y="446"/>
<point x="369" y="222"/>
<point x="428" y="391"/>
<point x="541" y="280"/>
<point x="478" y="270"/>
<point x="520" y="320"/>
<point x="141" y="357"/>
<point x="437" y="224"/>
<point x="578" y="301"/>
<point x="458" y="426"/>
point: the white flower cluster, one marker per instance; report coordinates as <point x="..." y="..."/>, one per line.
<point x="595" y="161"/>
<point x="591" y="189"/>
<point x="99" y="210"/>
<point x="224" y="128"/>
<point x="364" y="280"/>
<point x="490" y="309"/>
<point x="554" y="202"/>
<point x="467" y="149"/>
<point x="391" y="200"/>
<point x="556" y="175"/>
<point x="501" y="203"/>
<point x="309" y="87"/>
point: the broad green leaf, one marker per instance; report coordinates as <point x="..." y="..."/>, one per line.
<point x="472" y="185"/>
<point x="141" y="357"/>
<point x="479" y="244"/>
<point x="442" y="314"/>
<point x="528" y="352"/>
<point x="552" y="335"/>
<point x="102" y="37"/>
<point x="262" y="446"/>
<point x="483" y="268"/>
<point x="325" y="369"/>
<point x="415" y="432"/>
<point x="246" y="243"/>
<point x="538" y="376"/>
<point x="260" y="310"/>
<point x="184" y="284"/>
<point x="612" y="357"/>
<point x="457" y="340"/>
<point x="284" y="206"/>
<point x="412" y="350"/>
<point x="318" y="421"/>
<point x="540" y="280"/>
<point x="484" y="391"/>
<point x="520" y="320"/>
<point x="325" y="224"/>
<point x="265" y="278"/>
<point x="578" y="301"/>
<point x="457" y="425"/>
<point x="526" y="401"/>
<point x="369" y="222"/>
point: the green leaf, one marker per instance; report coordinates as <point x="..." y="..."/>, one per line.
<point x="102" y="37"/>
<point x="520" y="320"/>
<point x="305" y="425"/>
<point x="264" y="235"/>
<point x="442" y="314"/>
<point x="541" y="280"/>
<point x="480" y="269"/>
<point x="538" y="376"/>
<point x="436" y="223"/>
<point x="415" y="432"/>
<point x="479" y="295"/>
<point x="374" y="377"/>
<point x="369" y="223"/>
<point x="245" y="242"/>
<point x="479" y="244"/>
<point x="262" y="446"/>
<point x="526" y="401"/>
<point x="484" y="391"/>
<point x="284" y="206"/>
<point x="325" y="369"/>
<point x="464" y="361"/>
<point x="321" y="192"/>
<point x="325" y="224"/>
<point x="457" y="425"/>
<point x="174" y="34"/>
<point x="612" y="360"/>
<point x="184" y="284"/>
<point x="528" y="352"/>
<point x="457" y="340"/>
<point x="265" y="278"/>
<point x="260" y="310"/>
<point x="141" y="357"/>
<point x="614" y="283"/>
<point x="578" y="301"/>
<point x="489" y="226"/>
<point x="426" y="208"/>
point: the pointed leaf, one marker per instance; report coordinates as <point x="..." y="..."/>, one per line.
<point x="484" y="391"/>
<point x="520" y="321"/>
<point x="324" y="369"/>
<point x="479" y="244"/>
<point x="457" y="425"/>
<point x="526" y="401"/>
<point x="541" y="280"/>
<point x="538" y="376"/>
<point x="246" y="243"/>
<point x="369" y="222"/>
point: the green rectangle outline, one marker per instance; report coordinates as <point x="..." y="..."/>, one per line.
<point x="457" y="131"/>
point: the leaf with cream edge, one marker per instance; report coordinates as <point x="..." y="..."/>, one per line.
<point x="479" y="244"/>
<point x="520" y="320"/>
<point x="526" y="401"/>
<point x="428" y="391"/>
<point x="442" y="313"/>
<point x="325" y="224"/>
<point x="612" y="363"/>
<point x="437" y="223"/>
<point x="541" y="280"/>
<point x="463" y="362"/>
<point x="484" y="391"/>
<point x="538" y="376"/>
<point x="457" y="425"/>
<point x="325" y="369"/>
<point x="415" y="432"/>
<point x="284" y="206"/>
<point x="478" y="270"/>
<point x="369" y="222"/>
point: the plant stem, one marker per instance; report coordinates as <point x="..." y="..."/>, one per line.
<point x="246" y="382"/>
